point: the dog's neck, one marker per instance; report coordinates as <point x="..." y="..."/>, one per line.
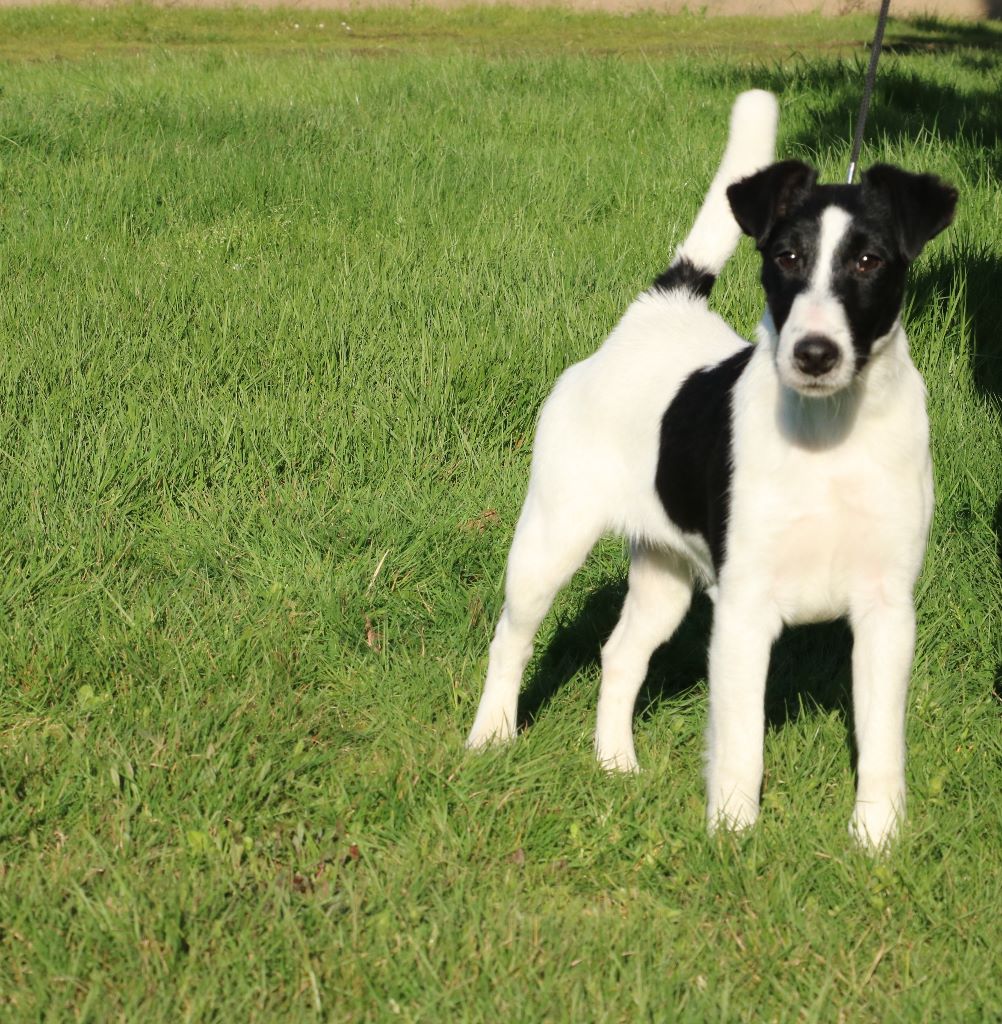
<point x="819" y="424"/>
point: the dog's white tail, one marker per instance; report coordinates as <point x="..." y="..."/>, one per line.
<point x="714" y="236"/>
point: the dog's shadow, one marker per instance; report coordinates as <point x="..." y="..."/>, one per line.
<point x="977" y="274"/>
<point x="809" y="668"/>
<point x="575" y="647"/>
<point x="982" y="304"/>
<point x="998" y="552"/>
<point x="676" y="667"/>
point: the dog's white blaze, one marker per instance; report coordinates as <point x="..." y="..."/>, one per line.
<point x="834" y="224"/>
<point x="817" y="311"/>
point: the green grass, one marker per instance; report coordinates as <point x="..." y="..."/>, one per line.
<point x="276" y="319"/>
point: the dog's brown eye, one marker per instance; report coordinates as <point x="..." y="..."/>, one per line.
<point x="867" y="262"/>
<point x="787" y="260"/>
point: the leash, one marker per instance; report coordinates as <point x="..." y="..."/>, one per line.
<point x="871" y="77"/>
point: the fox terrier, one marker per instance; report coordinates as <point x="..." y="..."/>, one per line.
<point x="791" y="478"/>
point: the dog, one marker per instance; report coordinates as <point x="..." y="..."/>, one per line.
<point x="791" y="478"/>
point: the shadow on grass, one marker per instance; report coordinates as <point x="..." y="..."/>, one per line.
<point x="809" y="668"/>
<point x="932" y="34"/>
<point x="981" y="274"/>
<point x="906" y="104"/>
<point x="575" y="647"/>
<point x="998" y="552"/>
<point x="676" y="667"/>
<point x="905" y="107"/>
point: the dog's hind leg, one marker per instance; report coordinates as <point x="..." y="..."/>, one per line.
<point x="658" y="598"/>
<point x="545" y="553"/>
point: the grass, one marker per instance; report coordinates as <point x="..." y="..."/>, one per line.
<point x="60" y="32"/>
<point x="277" y="319"/>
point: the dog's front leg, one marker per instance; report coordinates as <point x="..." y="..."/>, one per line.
<point x="743" y="633"/>
<point x="883" y="647"/>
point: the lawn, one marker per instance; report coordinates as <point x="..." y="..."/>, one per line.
<point x="281" y="295"/>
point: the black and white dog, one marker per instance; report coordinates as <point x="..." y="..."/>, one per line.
<point x="792" y="478"/>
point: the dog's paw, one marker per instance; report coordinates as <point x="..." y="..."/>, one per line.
<point x="875" y="823"/>
<point x="735" y="814"/>
<point x="491" y="730"/>
<point x="617" y="759"/>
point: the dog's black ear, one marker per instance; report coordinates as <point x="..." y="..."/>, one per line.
<point x="759" y="201"/>
<point x="922" y="205"/>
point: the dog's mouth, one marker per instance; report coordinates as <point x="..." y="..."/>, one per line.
<point x="814" y="388"/>
<point x="819" y="386"/>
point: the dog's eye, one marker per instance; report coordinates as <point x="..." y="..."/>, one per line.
<point x="788" y="260"/>
<point x="867" y="262"/>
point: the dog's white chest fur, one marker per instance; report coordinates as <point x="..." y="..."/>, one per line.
<point x="832" y="498"/>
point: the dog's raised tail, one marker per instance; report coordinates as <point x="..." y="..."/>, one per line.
<point x="751" y="145"/>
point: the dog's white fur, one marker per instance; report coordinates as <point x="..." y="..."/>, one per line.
<point x="831" y="500"/>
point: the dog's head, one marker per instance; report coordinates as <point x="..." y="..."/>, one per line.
<point x="834" y="261"/>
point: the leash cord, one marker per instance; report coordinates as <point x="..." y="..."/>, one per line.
<point x="871" y="77"/>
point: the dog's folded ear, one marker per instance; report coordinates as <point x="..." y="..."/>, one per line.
<point x="759" y="201"/>
<point x="921" y="205"/>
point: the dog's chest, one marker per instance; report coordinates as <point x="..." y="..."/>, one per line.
<point x="821" y="530"/>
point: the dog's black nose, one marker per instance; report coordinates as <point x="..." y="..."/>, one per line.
<point x="815" y="355"/>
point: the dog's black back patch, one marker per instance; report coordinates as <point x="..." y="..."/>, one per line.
<point x="683" y="275"/>
<point x="693" y="478"/>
